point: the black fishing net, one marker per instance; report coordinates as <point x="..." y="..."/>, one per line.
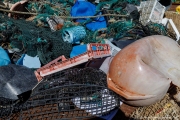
<point x="73" y="93"/>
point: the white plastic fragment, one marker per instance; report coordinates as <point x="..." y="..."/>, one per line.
<point x="151" y="10"/>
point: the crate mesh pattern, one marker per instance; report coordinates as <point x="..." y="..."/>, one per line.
<point x="74" y="93"/>
<point x="151" y="10"/>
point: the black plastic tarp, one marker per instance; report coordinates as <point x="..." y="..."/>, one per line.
<point x="15" y="80"/>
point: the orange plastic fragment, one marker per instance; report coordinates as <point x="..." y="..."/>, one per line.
<point x="61" y="63"/>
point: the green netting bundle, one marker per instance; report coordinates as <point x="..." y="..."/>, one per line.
<point x="125" y="28"/>
<point x="136" y="30"/>
<point x="35" y="40"/>
<point x="116" y="5"/>
<point x="91" y="37"/>
<point x="58" y="45"/>
<point x="53" y="47"/>
<point x="42" y="8"/>
<point x="119" y="29"/>
<point x="44" y="53"/>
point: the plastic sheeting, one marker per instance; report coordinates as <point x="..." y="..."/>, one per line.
<point x="15" y="80"/>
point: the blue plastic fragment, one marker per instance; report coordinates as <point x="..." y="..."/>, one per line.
<point x="28" y="61"/>
<point x="79" y="49"/>
<point x="4" y="58"/>
<point x="84" y="8"/>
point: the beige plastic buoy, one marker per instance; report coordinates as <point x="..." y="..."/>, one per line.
<point x="141" y="73"/>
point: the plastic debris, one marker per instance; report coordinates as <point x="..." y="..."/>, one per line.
<point x="19" y="6"/>
<point x="166" y="3"/>
<point x="84" y="8"/>
<point x="103" y="100"/>
<point x="151" y="10"/>
<point x="154" y="63"/>
<point x="105" y="65"/>
<point x="167" y="22"/>
<point x="15" y="80"/>
<point x="46" y="31"/>
<point x="114" y="49"/>
<point x="61" y="63"/>
<point x="178" y="9"/>
<point x="4" y="58"/>
<point x="122" y="43"/>
<point x="74" y="34"/>
<point x="55" y="23"/>
<point x="30" y="62"/>
<point x="77" y="50"/>
<point x="57" y="92"/>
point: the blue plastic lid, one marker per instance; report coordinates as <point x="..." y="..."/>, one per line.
<point x="84" y="8"/>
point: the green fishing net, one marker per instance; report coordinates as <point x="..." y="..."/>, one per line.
<point x="34" y="40"/>
<point x="127" y="28"/>
<point x="136" y="30"/>
<point x="35" y="37"/>
<point x="116" y="5"/>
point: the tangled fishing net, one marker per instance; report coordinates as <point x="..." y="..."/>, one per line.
<point x="36" y="38"/>
<point x="73" y="93"/>
<point x="33" y="40"/>
<point x="167" y="109"/>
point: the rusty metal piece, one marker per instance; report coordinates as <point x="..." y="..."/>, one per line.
<point x="61" y="63"/>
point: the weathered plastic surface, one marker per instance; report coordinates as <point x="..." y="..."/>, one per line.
<point x="61" y="63"/>
<point x="142" y="72"/>
<point x="15" y="80"/>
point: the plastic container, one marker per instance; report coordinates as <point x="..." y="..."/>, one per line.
<point x="74" y="34"/>
<point x="152" y="11"/>
<point x="55" y="23"/>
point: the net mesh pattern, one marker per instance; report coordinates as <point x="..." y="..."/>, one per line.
<point x="73" y="93"/>
<point x="33" y="40"/>
<point x="117" y="27"/>
<point x="166" y="109"/>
